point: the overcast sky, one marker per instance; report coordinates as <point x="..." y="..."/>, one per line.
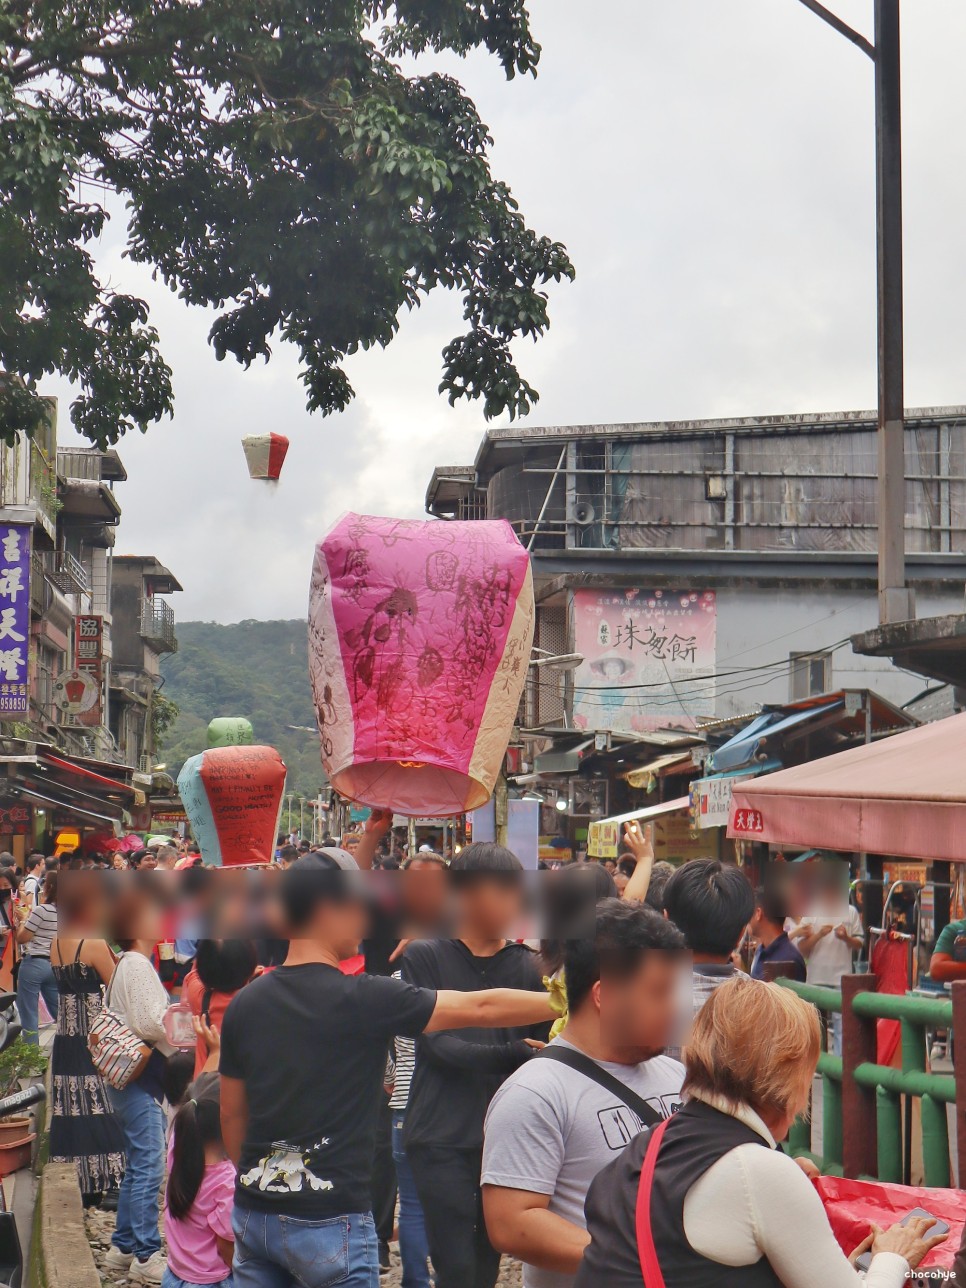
<point x="709" y="165"/>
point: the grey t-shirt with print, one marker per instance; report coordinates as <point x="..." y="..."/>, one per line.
<point x="550" y="1130"/>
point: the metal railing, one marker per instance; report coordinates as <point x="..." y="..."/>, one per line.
<point x="66" y="573"/>
<point x="867" y="1106"/>
<point x="39" y="589"/>
<point x="157" y="625"/>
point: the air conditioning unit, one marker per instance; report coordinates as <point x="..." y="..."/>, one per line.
<point x="584" y="514"/>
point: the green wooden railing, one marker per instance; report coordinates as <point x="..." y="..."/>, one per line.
<point x="862" y="1109"/>
<point x="828" y="1000"/>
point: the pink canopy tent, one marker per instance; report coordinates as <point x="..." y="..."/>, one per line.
<point x="905" y="795"/>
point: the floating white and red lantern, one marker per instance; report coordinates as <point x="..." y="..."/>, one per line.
<point x="419" y="642"/>
<point x="265" y="454"/>
<point x="232" y="796"/>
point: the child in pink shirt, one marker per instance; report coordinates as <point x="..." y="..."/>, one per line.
<point x="200" y="1194"/>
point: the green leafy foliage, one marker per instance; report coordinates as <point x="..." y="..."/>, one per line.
<point x="259" y="670"/>
<point x="279" y="166"/>
<point x="20" y="1060"/>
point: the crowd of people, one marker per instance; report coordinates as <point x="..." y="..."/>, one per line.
<point x="605" y="1102"/>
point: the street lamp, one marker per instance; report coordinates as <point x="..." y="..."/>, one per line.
<point x="557" y="661"/>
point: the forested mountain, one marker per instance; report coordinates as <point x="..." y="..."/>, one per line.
<point x="253" y="669"/>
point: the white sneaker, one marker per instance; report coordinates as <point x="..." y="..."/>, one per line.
<point x="150" y="1271"/>
<point x="118" y="1260"/>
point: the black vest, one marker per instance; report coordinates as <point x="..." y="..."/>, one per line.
<point x="694" y="1140"/>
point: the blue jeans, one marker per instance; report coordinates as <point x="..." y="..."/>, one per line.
<point x="274" y="1251"/>
<point x="413" y="1245"/>
<point x="142" y="1122"/>
<point x="170" y="1280"/>
<point x="35" y="978"/>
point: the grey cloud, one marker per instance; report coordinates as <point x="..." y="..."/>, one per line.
<point x="709" y="164"/>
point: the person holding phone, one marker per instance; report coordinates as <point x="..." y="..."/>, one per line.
<point x="721" y="1204"/>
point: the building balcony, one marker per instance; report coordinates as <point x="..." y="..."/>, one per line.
<point x="157" y="626"/>
<point x="66" y="573"/>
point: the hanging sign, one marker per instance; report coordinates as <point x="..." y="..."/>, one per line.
<point x="14" y="618"/>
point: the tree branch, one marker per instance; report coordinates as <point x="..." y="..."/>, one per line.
<point x="841" y="27"/>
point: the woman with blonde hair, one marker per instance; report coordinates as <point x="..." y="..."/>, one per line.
<point x="707" y="1199"/>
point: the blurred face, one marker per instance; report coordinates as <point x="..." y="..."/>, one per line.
<point x="424" y="890"/>
<point x="341" y="926"/>
<point x="351" y="844"/>
<point x="638" y="1011"/>
<point x="491" y="908"/>
<point x="149" y="862"/>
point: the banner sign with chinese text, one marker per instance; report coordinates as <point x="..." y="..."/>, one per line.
<point x="14" y="618"/>
<point x="89" y="660"/>
<point x="649" y="658"/>
<point x="15" y="818"/>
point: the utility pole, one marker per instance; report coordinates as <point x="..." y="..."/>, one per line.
<point x="896" y="599"/>
<point x="896" y="602"/>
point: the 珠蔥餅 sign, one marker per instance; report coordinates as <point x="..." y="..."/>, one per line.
<point x="648" y="658"/>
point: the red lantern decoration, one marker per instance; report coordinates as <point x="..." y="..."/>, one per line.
<point x="265" y="454"/>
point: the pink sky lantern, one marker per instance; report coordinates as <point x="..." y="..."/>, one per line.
<point x="419" y="642"/>
<point x="265" y="454"/>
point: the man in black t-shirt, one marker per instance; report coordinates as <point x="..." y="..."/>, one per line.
<point x="302" y="1061"/>
<point x="457" y="1075"/>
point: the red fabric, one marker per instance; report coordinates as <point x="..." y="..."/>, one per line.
<point x="276" y="454"/>
<point x="650" y="1266"/>
<point x="353" y="965"/>
<point x="889" y="964"/>
<point x="193" y="992"/>
<point x="852" y="1206"/>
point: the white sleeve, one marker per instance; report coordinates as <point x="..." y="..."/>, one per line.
<point x="140" y="995"/>
<point x="793" y="1232"/>
<point x="757" y="1201"/>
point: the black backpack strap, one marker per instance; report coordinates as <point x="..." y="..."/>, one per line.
<point x="581" y="1063"/>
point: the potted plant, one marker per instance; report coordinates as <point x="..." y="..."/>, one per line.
<point x="22" y="1061"/>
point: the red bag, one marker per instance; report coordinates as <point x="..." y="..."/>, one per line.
<point x="853" y="1206"/>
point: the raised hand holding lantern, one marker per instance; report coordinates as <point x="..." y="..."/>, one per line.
<point x="419" y="641"/>
<point x="232" y="796"/>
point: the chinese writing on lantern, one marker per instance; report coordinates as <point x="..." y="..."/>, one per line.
<point x="14" y="618"/>
<point x="749" y="820"/>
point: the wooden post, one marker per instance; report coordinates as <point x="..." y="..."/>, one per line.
<point x="959" y="1050"/>
<point x="859" y="1124"/>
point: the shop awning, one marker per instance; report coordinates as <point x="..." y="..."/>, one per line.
<point x="904" y="796"/>
<point x="742" y="749"/>
<point x="643" y="775"/>
<point x="650" y="811"/>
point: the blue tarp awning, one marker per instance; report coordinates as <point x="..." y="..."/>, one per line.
<point x="742" y="749"/>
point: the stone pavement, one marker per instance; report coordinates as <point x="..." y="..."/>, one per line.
<point x="101" y="1224"/>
